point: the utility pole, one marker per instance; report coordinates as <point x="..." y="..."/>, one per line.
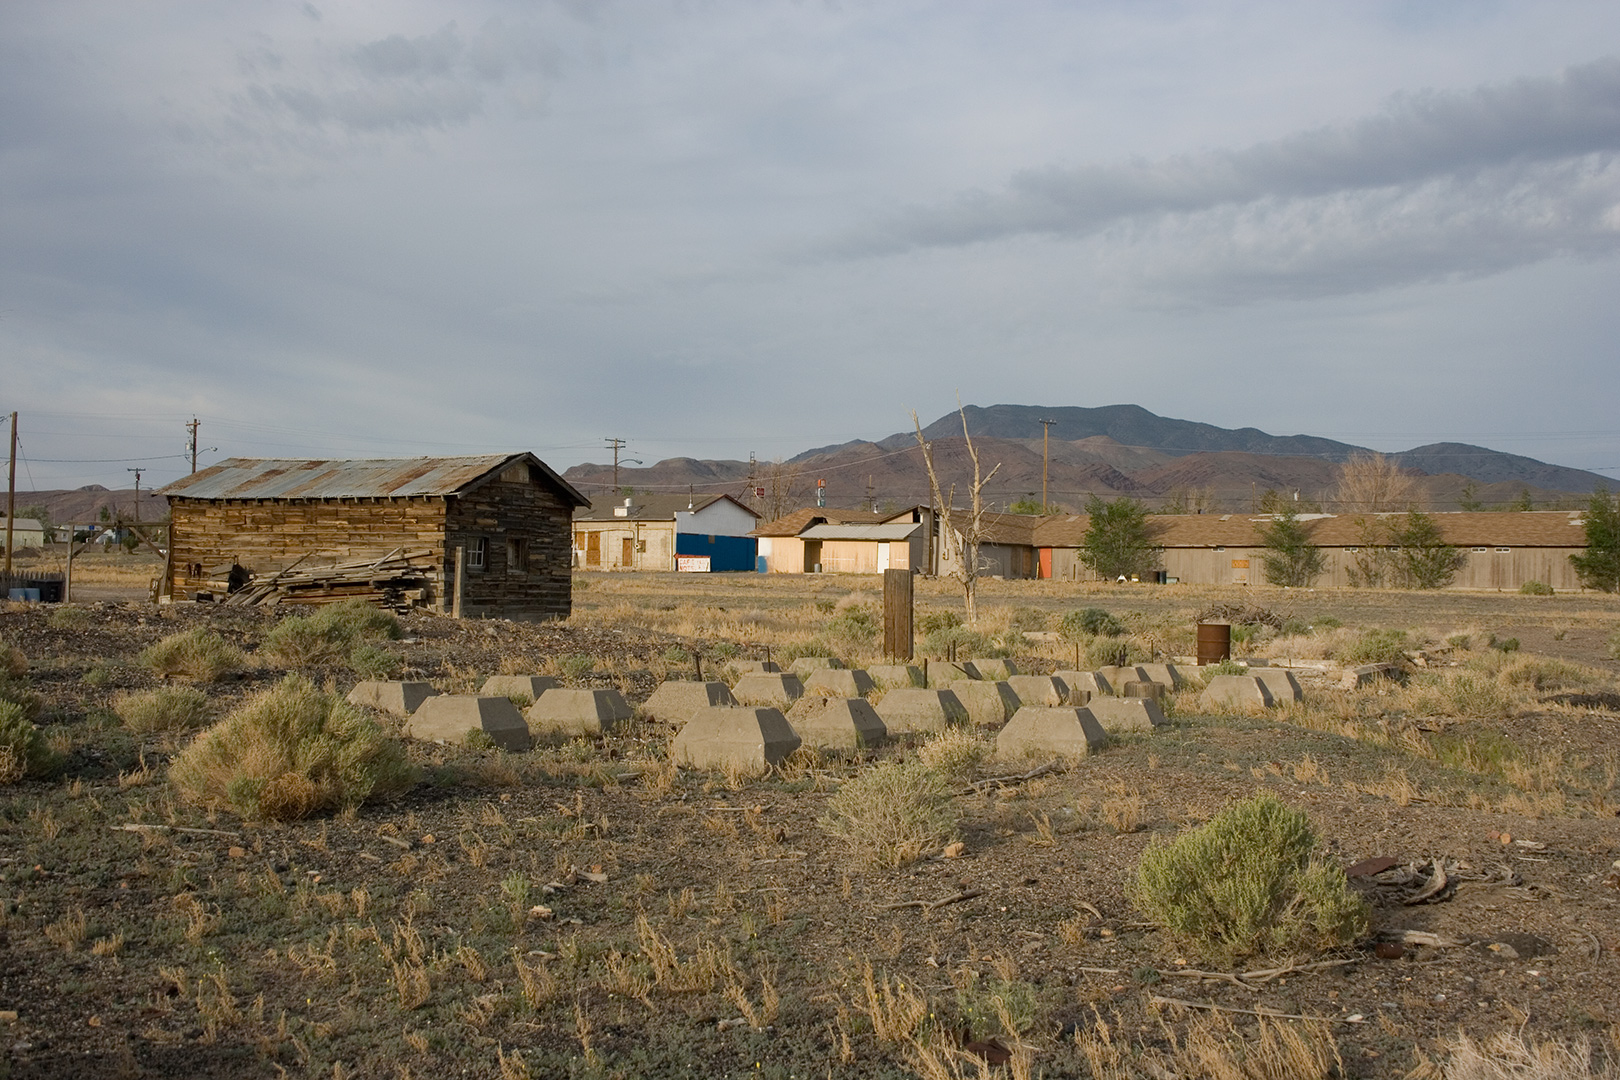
<point x="191" y="443"/>
<point x="137" y="473"/>
<point x="871" y="499"/>
<point x="617" y="445"/>
<point x="11" y="496"/>
<point x="1046" y="457"/>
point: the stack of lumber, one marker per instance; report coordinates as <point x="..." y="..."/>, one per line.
<point x="400" y="580"/>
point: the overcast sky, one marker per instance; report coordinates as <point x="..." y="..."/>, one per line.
<point x="710" y="228"/>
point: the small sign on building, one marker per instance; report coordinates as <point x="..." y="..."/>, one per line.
<point x="692" y="564"/>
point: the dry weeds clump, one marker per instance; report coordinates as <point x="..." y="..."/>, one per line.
<point x="1248" y="882"/>
<point x="168" y="708"/>
<point x="892" y="813"/>
<point x="289" y="752"/>
<point x="1377" y="647"/>
<point x="13" y="664"/>
<point x="333" y="634"/>
<point x="196" y="654"/>
<point x="957" y="754"/>
<point x="1510" y="1056"/>
<point x="24" y="752"/>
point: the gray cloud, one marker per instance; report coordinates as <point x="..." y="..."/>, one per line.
<point x="1437" y="183"/>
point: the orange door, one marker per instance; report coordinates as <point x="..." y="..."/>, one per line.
<point x="593" y="549"/>
<point x="1046" y="564"/>
<point x="627" y="552"/>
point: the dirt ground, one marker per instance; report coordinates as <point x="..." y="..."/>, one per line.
<point x="691" y="926"/>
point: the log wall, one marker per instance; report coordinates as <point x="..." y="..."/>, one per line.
<point x="529" y="512"/>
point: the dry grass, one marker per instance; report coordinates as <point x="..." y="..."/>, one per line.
<point x="892" y="813"/>
<point x="957" y="754"/>
<point x="197" y="654"/>
<point x="1513" y="1056"/>
<point x="168" y="708"/>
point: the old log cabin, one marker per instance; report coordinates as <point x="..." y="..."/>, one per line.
<point x="508" y="514"/>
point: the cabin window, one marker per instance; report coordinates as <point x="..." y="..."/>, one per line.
<point x="1479" y="551"/>
<point x="517" y="556"/>
<point x="1352" y="550"/>
<point x="478" y="553"/>
<point x="1220" y="547"/>
<point x="1503" y="551"/>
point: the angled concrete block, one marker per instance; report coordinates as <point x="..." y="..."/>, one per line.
<point x="1367" y="674"/>
<point x="988" y="704"/>
<point x="748" y="738"/>
<point x="1118" y="676"/>
<point x="1041" y="690"/>
<point x="674" y="701"/>
<point x="943" y="673"/>
<point x="397" y="698"/>
<point x="569" y="711"/>
<point x="1236" y="693"/>
<point x="1128" y="714"/>
<point x="776" y="690"/>
<point x="1280" y="682"/>
<point x="732" y="670"/>
<point x="838" y="682"/>
<point x="451" y="718"/>
<point x="804" y="665"/>
<point x="1166" y="675"/>
<point x="1094" y="683"/>
<point x="1068" y="731"/>
<point x="912" y="709"/>
<point x="1150" y="690"/>
<point x="890" y="676"/>
<point x="831" y="723"/>
<point x="996" y="670"/>
<point x="509" y="686"/>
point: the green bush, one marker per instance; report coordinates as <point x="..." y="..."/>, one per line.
<point x="14" y="690"/>
<point x="197" y="654"/>
<point x="23" y="749"/>
<point x="168" y="708"/>
<point x="329" y="636"/>
<point x="1092" y="622"/>
<point x="960" y="642"/>
<point x="358" y="619"/>
<point x="1376" y="647"/>
<point x="1249" y="883"/>
<point x="289" y="752"/>
<point x="68" y="617"/>
<point x="373" y="661"/>
<point x="932" y="622"/>
<point x="856" y="625"/>
<point x="13" y="663"/>
<point x="1536" y="588"/>
<point x="1505" y="644"/>
<point x="892" y="813"/>
<point x="1225" y="667"/>
<point x="1107" y="651"/>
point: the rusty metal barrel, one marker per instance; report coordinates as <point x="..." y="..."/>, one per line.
<point x="1214" y="642"/>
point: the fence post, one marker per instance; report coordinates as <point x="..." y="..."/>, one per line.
<point x="461" y="568"/>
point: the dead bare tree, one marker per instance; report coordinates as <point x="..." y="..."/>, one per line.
<point x="1373" y="484"/>
<point x="964" y="541"/>
<point x="782" y="490"/>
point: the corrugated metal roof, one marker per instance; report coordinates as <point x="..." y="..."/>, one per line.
<point x="651" y="507"/>
<point x="378" y="478"/>
<point x="898" y="531"/>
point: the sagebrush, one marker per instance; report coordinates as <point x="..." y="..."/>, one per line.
<point x="332" y="635"/>
<point x="892" y="814"/>
<point x="168" y="708"/>
<point x="24" y="753"/>
<point x="197" y="654"/>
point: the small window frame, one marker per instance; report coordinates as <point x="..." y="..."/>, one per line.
<point x="478" y="554"/>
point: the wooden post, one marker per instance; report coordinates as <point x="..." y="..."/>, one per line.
<point x="897" y="614"/>
<point x="67" y="577"/>
<point x="461" y="573"/>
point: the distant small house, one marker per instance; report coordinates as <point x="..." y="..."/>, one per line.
<point x="665" y="532"/>
<point x="508" y="514"/>
<point x="25" y="533"/>
<point x="825" y="540"/>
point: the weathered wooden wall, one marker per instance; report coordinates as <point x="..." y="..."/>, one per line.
<point x="520" y="506"/>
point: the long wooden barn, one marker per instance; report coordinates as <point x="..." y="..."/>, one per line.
<point x="507" y="517"/>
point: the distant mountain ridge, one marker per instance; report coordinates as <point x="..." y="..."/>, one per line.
<point x="1110" y="450"/>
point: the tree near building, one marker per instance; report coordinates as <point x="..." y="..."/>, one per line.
<point x="1373" y="484"/>
<point x="1422" y="558"/>
<point x="1290" y="559"/>
<point x="1599" y="565"/>
<point x="1117" y="539"/>
<point x="961" y="533"/>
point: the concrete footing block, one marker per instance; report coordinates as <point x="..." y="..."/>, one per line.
<point x="1118" y="676"/>
<point x="675" y="701"/>
<point x="829" y="723"/>
<point x="1236" y="693"/>
<point x="1280" y="682"/>
<point x="988" y="704"/>
<point x="1128" y="714"/>
<point x="1067" y="731"/>
<point x="943" y="673"/>
<point x="509" y="686"/>
<point x="892" y="676"/>
<point x="569" y="711"/>
<point x="840" y="682"/>
<point x="775" y="690"/>
<point x="1094" y="683"/>
<point x="804" y="665"/>
<point x="1041" y="690"/>
<point x="1367" y="674"/>
<point x="734" y="737"/>
<point x="450" y="718"/>
<point x="395" y="698"/>
<point x="999" y="670"/>
<point x="909" y="710"/>
<point x="732" y="670"/>
<point x="1166" y="675"/>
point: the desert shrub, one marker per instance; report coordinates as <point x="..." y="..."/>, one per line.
<point x="23" y="749"/>
<point x="1614" y="645"/>
<point x="359" y="619"/>
<point x="932" y="622"/>
<point x="855" y="625"/>
<point x="14" y="690"/>
<point x="1536" y="588"/>
<point x="959" y="641"/>
<point x="12" y="661"/>
<point x="956" y="753"/>
<point x="373" y="661"/>
<point x="1091" y="622"/>
<point x="1547" y="673"/>
<point x="1224" y="667"/>
<point x="1249" y="882"/>
<point x="1105" y="651"/>
<point x="289" y="752"/>
<point x="196" y="654"/>
<point x="68" y="617"/>
<point x="892" y="813"/>
<point x="168" y="708"/>
<point x="1506" y="645"/>
<point x="576" y="665"/>
<point x="1376" y="647"/>
<point x="1328" y="622"/>
<point x="329" y="636"/>
<point x="1027" y="618"/>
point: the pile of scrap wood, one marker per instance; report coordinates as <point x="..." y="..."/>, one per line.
<point x="400" y="579"/>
